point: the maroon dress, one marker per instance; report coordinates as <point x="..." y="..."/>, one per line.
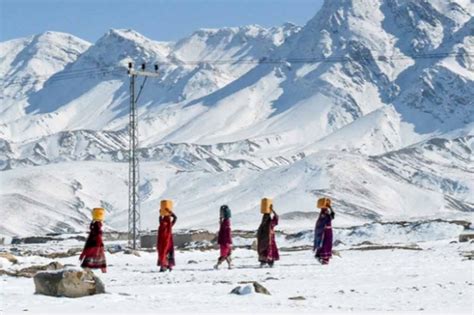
<point x="93" y="254"/>
<point x="165" y="245"/>
<point x="224" y="239"/>
<point x="266" y="244"/>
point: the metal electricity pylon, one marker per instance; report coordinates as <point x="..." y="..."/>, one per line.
<point x="133" y="161"/>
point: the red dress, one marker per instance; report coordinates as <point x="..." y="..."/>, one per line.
<point x="165" y="246"/>
<point x="93" y="255"/>
<point x="224" y="239"/>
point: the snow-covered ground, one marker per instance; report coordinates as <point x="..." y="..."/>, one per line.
<point x="436" y="279"/>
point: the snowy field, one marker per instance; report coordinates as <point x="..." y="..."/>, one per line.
<point x="436" y="279"/>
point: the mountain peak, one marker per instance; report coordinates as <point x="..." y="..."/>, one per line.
<point x="119" y="46"/>
<point x="41" y="54"/>
<point x="124" y="34"/>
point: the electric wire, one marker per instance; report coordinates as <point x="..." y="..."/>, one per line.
<point x="121" y="70"/>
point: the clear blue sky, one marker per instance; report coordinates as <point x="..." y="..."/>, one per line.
<point x="157" y="19"/>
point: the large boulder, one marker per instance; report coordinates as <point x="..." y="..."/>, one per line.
<point x="71" y="283"/>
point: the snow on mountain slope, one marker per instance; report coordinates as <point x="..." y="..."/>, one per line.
<point x="375" y="133"/>
<point x="369" y="103"/>
<point x="233" y="43"/>
<point x="428" y="101"/>
<point x="423" y="26"/>
<point x="450" y="170"/>
<point x="26" y="63"/>
<point x="393" y="186"/>
<point x="111" y="146"/>
<point x="369" y="70"/>
<point x="314" y="97"/>
<point x="53" y="198"/>
<point x="53" y="109"/>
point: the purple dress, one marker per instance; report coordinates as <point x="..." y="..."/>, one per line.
<point x="323" y="237"/>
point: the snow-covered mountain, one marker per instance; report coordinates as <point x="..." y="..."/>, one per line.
<point x="370" y="103"/>
<point x="26" y="63"/>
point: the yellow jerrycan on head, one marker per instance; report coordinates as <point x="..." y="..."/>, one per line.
<point x="98" y="214"/>
<point x="323" y="203"/>
<point x="164" y="205"/>
<point x="265" y="205"/>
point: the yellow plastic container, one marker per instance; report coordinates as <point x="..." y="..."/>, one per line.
<point x="98" y="214"/>
<point x="265" y="205"/>
<point x="165" y="204"/>
<point x="324" y="203"/>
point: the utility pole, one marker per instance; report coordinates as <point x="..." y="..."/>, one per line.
<point x="133" y="161"/>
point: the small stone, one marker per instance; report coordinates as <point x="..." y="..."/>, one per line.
<point x="113" y="249"/>
<point x="250" y="287"/>
<point x="271" y="278"/>
<point x="297" y="298"/>
<point x="260" y="288"/>
<point x="124" y="294"/>
<point x="235" y="290"/>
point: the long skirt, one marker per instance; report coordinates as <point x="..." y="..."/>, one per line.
<point x="226" y="250"/>
<point x="166" y="254"/>
<point x="324" y="253"/>
<point x="94" y="258"/>
<point x="267" y="249"/>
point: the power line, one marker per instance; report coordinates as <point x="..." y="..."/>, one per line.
<point x="333" y="59"/>
<point x="55" y="78"/>
<point x="118" y="70"/>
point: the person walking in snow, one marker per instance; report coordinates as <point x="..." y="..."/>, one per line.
<point x="323" y="232"/>
<point x="224" y="238"/>
<point x="93" y="254"/>
<point x="165" y="246"/>
<point x="266" y="244"/>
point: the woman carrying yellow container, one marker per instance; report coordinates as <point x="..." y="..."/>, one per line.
<point x="266" y="244"/>
<point x="165" y="245"/>
<point x="93" y="254"/>
<point x="323" y="232"/>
